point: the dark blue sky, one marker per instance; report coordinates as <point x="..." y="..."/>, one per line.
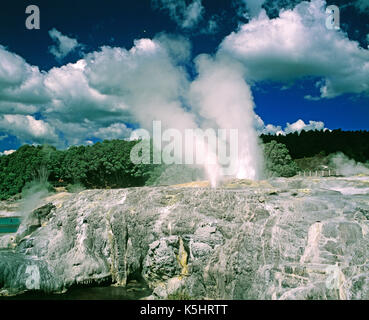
<point x="97" y="23"/>
<point x="118" y="23"/>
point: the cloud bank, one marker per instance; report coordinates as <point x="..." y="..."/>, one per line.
<point x="297" y="126"/>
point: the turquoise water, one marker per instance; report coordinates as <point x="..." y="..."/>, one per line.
<point x="9" y="224"/>
<point x="8" y="229"/>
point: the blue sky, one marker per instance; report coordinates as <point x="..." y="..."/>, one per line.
<point x="294" y="70"/>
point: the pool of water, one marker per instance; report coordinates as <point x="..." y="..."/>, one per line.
<point x="133" y="291"/>
<point x="9" y="224"/>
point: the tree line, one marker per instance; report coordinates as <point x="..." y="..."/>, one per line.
<point x="354" y="144"/>
<point x="107" y="164"/>
<point x="104" y="164"/>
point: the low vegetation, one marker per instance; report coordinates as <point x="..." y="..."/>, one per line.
<point x="278" y="161"/>
<point x="104" y="165"/>
<point x="107" y="164"/>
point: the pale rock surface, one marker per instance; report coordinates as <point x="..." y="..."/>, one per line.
<point x="278" y="239"/>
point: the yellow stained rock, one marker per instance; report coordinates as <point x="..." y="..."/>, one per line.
<point x="193" y="184"/>
<point x="182" y="258"/>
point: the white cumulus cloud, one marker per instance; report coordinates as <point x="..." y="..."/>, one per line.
<point x="297" y="44"/>
<point x="186" y="16"/>
<point x="300" y="125"/>
<point x="28" y="129"/>
<point x="98" y="94"/>
<point x="7" y="152"/>
<point x="297" y="126"/>
<point x="64" y="44"/>
<point x="114" y="131"/>
<point x="20" y="83"/>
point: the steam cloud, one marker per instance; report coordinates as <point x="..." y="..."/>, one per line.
<point x="348" y="167"/>
<point x="224" y="100"/>
<point x="218" y="98"/>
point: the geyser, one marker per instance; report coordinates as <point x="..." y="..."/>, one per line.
<point x="223" y="99"/>
<point x="218" y="98"/>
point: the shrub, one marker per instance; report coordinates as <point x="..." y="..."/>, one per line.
<point x="278" y="161"/>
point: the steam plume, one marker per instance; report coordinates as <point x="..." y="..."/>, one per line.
<point x="348" y="167"/>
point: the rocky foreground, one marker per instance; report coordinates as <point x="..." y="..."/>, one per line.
<point x="277" y="239"/>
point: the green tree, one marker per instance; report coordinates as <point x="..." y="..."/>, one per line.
<point x="278" y="161"/>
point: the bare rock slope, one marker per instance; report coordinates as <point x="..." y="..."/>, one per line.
<point x="277" y="239"/>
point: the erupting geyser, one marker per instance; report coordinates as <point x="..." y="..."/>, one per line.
<point x="217" y="99"/>
<point x="223" y="99"/>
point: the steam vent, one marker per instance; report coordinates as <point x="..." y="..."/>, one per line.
<point x="296" y="238"/>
